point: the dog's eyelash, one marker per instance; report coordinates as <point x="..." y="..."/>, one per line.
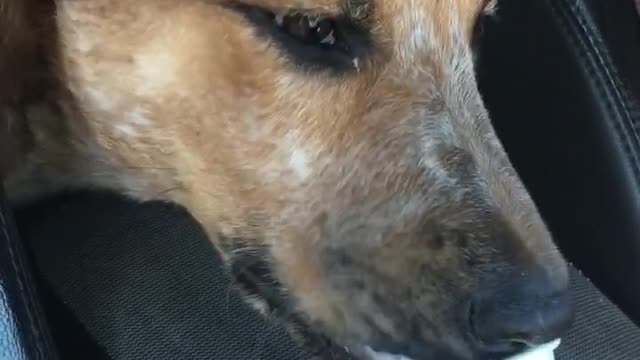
<point x="313" y="42"/>
<point x="312" y="30"/>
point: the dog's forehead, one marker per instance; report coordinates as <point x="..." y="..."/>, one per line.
<point x="326" y="6"/>
<point x="442" y="16"/>
<point x="432" y="7"/>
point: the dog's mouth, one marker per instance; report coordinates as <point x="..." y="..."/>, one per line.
<point x="253" y="273"/>
<point x="251" y="269"/>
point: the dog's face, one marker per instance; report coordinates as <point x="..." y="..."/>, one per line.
<point x="341" y="154"/>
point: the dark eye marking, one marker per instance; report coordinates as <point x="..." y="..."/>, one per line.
<point x="313" y="42"/>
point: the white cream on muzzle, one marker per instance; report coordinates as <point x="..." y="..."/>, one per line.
<point x="542" y="352"/>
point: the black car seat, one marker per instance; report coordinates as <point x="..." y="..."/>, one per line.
<point x="561" y="79"/>
<point x="24" y="333"/>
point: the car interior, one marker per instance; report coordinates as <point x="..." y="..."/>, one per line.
<point x="92" y="275"/>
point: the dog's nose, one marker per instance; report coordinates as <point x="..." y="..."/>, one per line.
<point x="525" y="309"/>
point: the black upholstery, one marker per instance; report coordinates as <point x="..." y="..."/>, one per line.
<point x="561" y="79"/>
<point x="140" y="281"/>
<point x="23" y="334"/>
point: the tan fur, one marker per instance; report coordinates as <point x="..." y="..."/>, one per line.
<point x="183" y="101"/>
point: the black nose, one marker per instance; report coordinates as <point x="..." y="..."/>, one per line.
<point x="524" y="309"/>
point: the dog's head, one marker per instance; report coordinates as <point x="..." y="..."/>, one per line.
<point x="341" y="152"/>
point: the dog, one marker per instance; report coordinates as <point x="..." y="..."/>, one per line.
<point x="337" y="152"/>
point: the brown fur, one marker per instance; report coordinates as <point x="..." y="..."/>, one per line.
<point x="376" y="197"/>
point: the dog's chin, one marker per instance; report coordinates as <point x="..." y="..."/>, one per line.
<point x="251" y="269"/>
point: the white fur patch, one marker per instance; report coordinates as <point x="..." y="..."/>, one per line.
<point x="420" y="36"/>
<point x="127" y="129"/>
<point x="100" y="100"/>
<point x="299" y="163"/>
<point x="415" y="33"/>
<point x="137" y="117"/>
<point x="158" y="70"/>
<point x="82" y="42"/>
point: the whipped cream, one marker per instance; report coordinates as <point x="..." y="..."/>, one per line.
<point x="542" y="352"/>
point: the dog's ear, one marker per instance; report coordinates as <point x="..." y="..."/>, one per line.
<point x="20" y="67"/>
<point x="18" y="47"/>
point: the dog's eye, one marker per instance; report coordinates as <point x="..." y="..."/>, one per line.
<point x="311" y="41"/>
<point x="311" y="30"/>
